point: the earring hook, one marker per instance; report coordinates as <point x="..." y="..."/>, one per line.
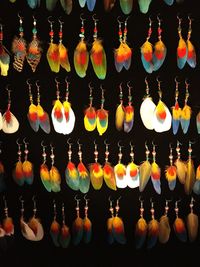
<point x="17" y="142"/>
<point x="68" y="141"/>
<point x="26" y="143"/>
<point x="28" y="83"/>
<point x="42" y="143"/>
<point x="105" y="142"/>
<point x="93" y="17"/>
<point x="120" y="22"/>
<point x="81" y="17"/>
<point x="50" y="21"/>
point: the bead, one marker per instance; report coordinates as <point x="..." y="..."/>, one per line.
<point x="51" y="33"/>
<point x="34" y="31"/>
<point x="26" y="151"/>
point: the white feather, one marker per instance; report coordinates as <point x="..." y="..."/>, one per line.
<point x="121" y="182"/>
<point x="159" y="126"/>
<point x="69" y="126"/>
<point x="1" y="121"/>
<point x="146" y="112"/>
<point x="58" y="125"/>
<point x="28" y="233"/>
<point x="10" y="127"/>
<point x="132" y="182"/>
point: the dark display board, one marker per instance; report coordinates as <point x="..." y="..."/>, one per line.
<point x="98" y="252"/>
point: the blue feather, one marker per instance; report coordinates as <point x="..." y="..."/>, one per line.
<point x="128" y="126"/>
<point x="33" y="3"/>
<point x="169" y="2"/>
<point x="181" y="61"/>
<point x="172" y="185"/>
<point x="91" y="4"/>
<point x="156" y="185"/>
<point x="72" y="183"/>
<point x="127" y="64"/>
<point x="192" y="62"/>
<point x="82" y="3"/>
<point x="196" y="187"/>
<point x="158" y="63"/>
<point x="175" y="126"/>
<point x="144" y="5"/>
<point x="148" y="66"/>
<point x="151" y="241"/>
<point x="45" y="125"/>
<point x="84" y="184"/>
<point x="118" y="66"/>
<point x="139" y="241"/>
<point x="185" y="125"/>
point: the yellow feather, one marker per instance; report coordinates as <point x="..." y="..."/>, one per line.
<point x="190" y="177"/>
<point x="186" y="112"/>
<point x="145" y="172"/>
<point x="55" y="175"/>
<point x="164" y="229"/>
<point x="119" y="117"/>
<point x="53" y="57"/>
<point x="64" y="60"/>
<point x="181" y="170"/>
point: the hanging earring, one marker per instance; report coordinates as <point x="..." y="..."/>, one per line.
<point x="10" y="123"/>
<point x="123" y="54"/>
<point x="147" y="51"/>
<point x="2" y="173"/>
<point x="190" y="174"/>
<point x="97" y="54"/>
<point x="90" y="4"/>
<point x="109" y="4"/>
<point x="120" y="171"/>
<point x="176" y="111"/>
<point x="77" y="226"/>
<point x="179" y="225"/>
<point x="102" y="116"/>
<point x="191" y="56"/>
<point x="120" y="111"/>
<point x="145" y="170"/>
<point x="44" y="170"/>
<point x="27" y="166"/>
<point x="81" y="55"/>
<point x="34" y="51"/>
<point x="96" y="171"/>
<point x="19" y="47"/>
<point x="196" y="187"/>
<point x="186" y="111"/>
<point x="160" y="49"/>
<point x="71" y="173"/>
<point x="84" y="178"/>
<point x="65" y="236"/>
<point x="126" y="6"/>
<point x="18" y="174"/>
<point x="181" y="167"/>
<point x="162" y="118"/>
<point x="147" y="109"/>
<point x="4" y="55"/>
<point x="153" y="228"/>
<point x="33" y="3"/>
<point x="55" y="227"/>
<point x="129" y="112"/>
<point x="197" y="122"/>
<point x="182" y="51"/>
<point x="171" y="171"/>
<point x="32" y="111"/>
<point x="164" y="226"/>
<point x="108" y="171"/>
<point x="55" y="177"/>
<point x="87" y="224"/>
<point x="141" y="228"/>
<point x="110" y="223"/>
<point x="132" y="171"/>
<point x="155" y="172"/>
<point x="7" y="224"/>
<point x="144" y="5"/>
<point x="192" y="222"/>
<point x="90" y="118"/>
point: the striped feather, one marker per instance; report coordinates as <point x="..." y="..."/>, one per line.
<point x="72" y="176"/>
<point x="19" y="46"/>
<point x="4" y="60"/>
<point x="81" y="59"/>
<point x="140" y="233"/>
<point x="34" y="53"/>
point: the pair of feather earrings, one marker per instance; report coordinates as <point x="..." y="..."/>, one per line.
<point x="96" y="118"/>
<point x="57" y="54"/>
<point x="31" y="52"/>
<point x="97" y="54"/>
<point x="4" y="55"/>
<point x="153" y="57"/>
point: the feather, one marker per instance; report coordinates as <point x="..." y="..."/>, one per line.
<point x="180" y="230"/>
<point x="10" y="123"/>
<point x="164" y="229"/>
<point x="28" y="172"/>
<point x="102" y="121"/>
<point x="53" y="57"/>
<point x="109" y="176"/>
<point x="147" y="109"/>
<point x="2" y="178"/>
<point x="1" y="121"/>
<point x="19" y="47"/>
<point x="196" y="187"/>
<point x="118" y="230"/>
<point x="18" y="174"/>
<point x="162" y="118"/>
<point x="67" y="6"/>
<point x="128" y="118"/>
<point x="185" y="118"/>
<point x="57" y="116"/>
<point x="182" y="53"/>
<point x="181" y="169"/>
<point x="145" y="173"/>
<point x="96" y="175"/>
<point x="33" y="3"/>
<point x="98" y="59"/>
<point x="126" y="6"/>
<point x="159" y="55"/>
<point x="34" y="52"/>
<point x="65" y="236"/>
<point x="170" y="174"/>
<point x="55" y="179"/>
<point x="192" y="222"/>
<point x="54" y="232"/>
<point x="37" y="229"/>
<point x="33" y="117"/>
<point x="144" y="5"/>
<point x="4" y="60"/>
<point x="119" y="117"/>
<point x="81" y="59"/>
<point x="91" y="4"/>
<point x="71" y="176"/>
<point x="87" y="230"/>
<point x="77" y="231"/>
<point x="140" y="232"/>
<point x="109" y="4"/>
<point x="191" y="57"/>
<point x="43" y="119"/>
<point x="155" y="177"/>
<point x="8" y="226"/>
<point x="147" y="56"/>
<point x="122" y="56"/>
<point x="109" y="230"/>
<point x="176" y="116"/>
<point x="45" y="177"/>
<point x="132" y="175"/>
<point x="84" y="178"/>
<point x="90" y="119"/>
<point x="198" y="122"/>
<point x="190" y="177"/>
<point x="63" y="57"/>
<point x="82" y="3"/>
<point x="50" y="4"/>
<point x="153" y="232"/>
<point x="120" y="175"/>
<point x="169" y="2"/>
<point x="69" y="118"/>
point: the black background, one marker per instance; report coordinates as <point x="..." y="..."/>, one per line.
<point x="98" y="252"/>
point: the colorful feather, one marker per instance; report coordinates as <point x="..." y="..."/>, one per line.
<point x="159" y="54"/>
<point x="96" y="175"/>
<point x="176" y="117"/>
<point x="77" y="231"/>
<point x="43" y="119"/>
<point x="145" y="173"/>
<point x="91" y="4"/>
<point x="162" y="118"/>
<point x="2" y="178"/>
<point x="69" y="118"/>
<point x="109" y="4"/>
<point x="126" y="6"/>
<point x="155" y="177"/>
<point x="122" y="57"/>
<point x="170" y="174"/>
<point x="192" y="226"/>
<point x="118" y="230"/>
<point x="10" y="122"/>
<point x="90" y="119"/>
<point x="140" y="232"/>
<point x="87" y="230"/>
<point x="185" y="118"/>
<point x="28" y="172"/>
<point x="18" y="174"/>
<point x="33" y="117"/>
<point x="8" y="226"/>
<point x="19" y="46"/>
<point x="53" y="57"/>
<point x="45" y="177"/>
<point x="190" y="177"/>
<point x="55" y="179"/>
<point x="65" y="236"/>
<point x="164" y="229"/>
<point x="182" y="53"/>
<point x="181" y="169"/>
<point x="102" y="121"/>
<point x="109" y="176"/>
<point x="196" y="187"/>
<point x="54" y="232"/>
<point x="147" y="56"/>
<point x="67" y="6"/>
<point x="84" y="178"/>
<point x="119" y="117"/>
<point x="82" y="3"/>
<point x="132" y="175"/>
<point x="50" y="4"/>
<point x="4" y="60"/>
<point x="34" y="51"/>
<point x="191" y="57"/>
<point x="81" y="59"/>
<point x="63" y="57"/>
<point x="109" y="230"/>
<point x="180" y="230"/>
<point x="120" y="175"/>
<point x="147" y="109"/>
<point x="72" y="176"/>
<point x="57" y="116"/>
<point x="198" y="122"/>
<point x="153" y="232"/>
<point x="33" y="3"/>
<point x="128" y="118"/>
<point x="144" y="5"/>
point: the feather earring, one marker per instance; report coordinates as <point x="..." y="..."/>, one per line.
<point x="55" y="227"/>
<point x="196" y="187"/>
<point x="129" y="112"/>
<point x="144" y="5"/>
<point x="65" y="235"/>
<point x="102" y="116"/>
<point x="186" y="111"/>
<point x="32" y="111"/>
<point x="182" y="50"/>
<point x="126" y="6"/>
<point x="179" y="225"/>
<point x="120" y="111"/>
<point x="141" y="228"/>
<point x="87" y="224"/>
<point x="44" y="170"/>
<point x="55" y="177"/>
<point x="145" y="171"/>
<point x="33" y="3"/>
<point x="123" y="54"/>
<point x="109" y="223"/>
<point x="120" y="171"/>
<point x="132" y="171"/>
<point x="18" y="174"/>
<point x="67" y="6"/>
<point x="90" y="4"/>
<point x="10" y="124"/>
<point x="171" y="171"/>
<point x="34" y="51"/>
<point x="84" y="178"/>
<point x="96" y="171"/>
<point x="19" y="47"/>
<point x="77" y="226"/>
<point x="71" y="173"/>
<point x="181" y="166"/>
<point x="109" y="4"/>
<point x="155" y="172"/>
<point x="4" y="55"/>
<point x="27" y="166"/>
<point x="153" y="229"/>
<point x="98" y="55"/>
<point x="7" y="223"/>
<point x="108" y="171"/>
<point x="190" y="174"/>
<point x="164" y="226"/>
<point x="191" y="56"/>
<point x="192" y="223"/>
<point x="90" y="117"/>
<point x="81" y="55"/>
<point x="198" y="122"/>
<point x="147" y="109"/>
<point x="176" y="111"/>
<point x="2" y="173"/>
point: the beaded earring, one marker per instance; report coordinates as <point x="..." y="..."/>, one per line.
<point x="153" y="228"/>
<point x="171" y="171"/>
<point x="192" y="222"/>
<point x="179" y="225"/>
<point x="102" y="116"/>
<point x="90" y="115"/>
<point x="164" y="226"/>
<point x="132" y="171"/>
<point x="141" y="228"/>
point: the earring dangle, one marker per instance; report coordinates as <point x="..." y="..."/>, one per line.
<point x="44" y="170"/>
<point x="132" y="171"/>
<point x="153" y="229"/>
<point x="182" y="51"/>
<point x="4" y="55"/>
<point x="181" y="167"/>
<point x="55" y="177"/>
<point x="52" y="52"/>
<point x="19" y="46"/>
<point x="109" y="223"/>
<point x="120" y="111"/>
<point x="55" y="227"/>
<point x="27" y="166"/>
<point x="120" y="171"/>
<point x="140" y="228"/>
<point x="179" y="225"/>
<point x="87" y="224"/>
<point x="81" y="55"/>
<point x="65" y="235"/>
<point x="176" y="111"/>
<point x="126" y="6"/>
<point x="164" y="226"/>
<point x="190" y="174"/>
<point x="129" y="112"/>
<point x="145" y="171"/>
<point x="90" y="115"/>
<point x="7" y="224"/>
<point x="102" y="116"/>
<point x="77" y="226"/>
<point x="32" y="111"/>
<point x="155" y="172"/>
<point x="186" y="112"/>
<point x="96" y="171"/>
<point x="171" y="171"/>
<point x="192" y="222"/>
